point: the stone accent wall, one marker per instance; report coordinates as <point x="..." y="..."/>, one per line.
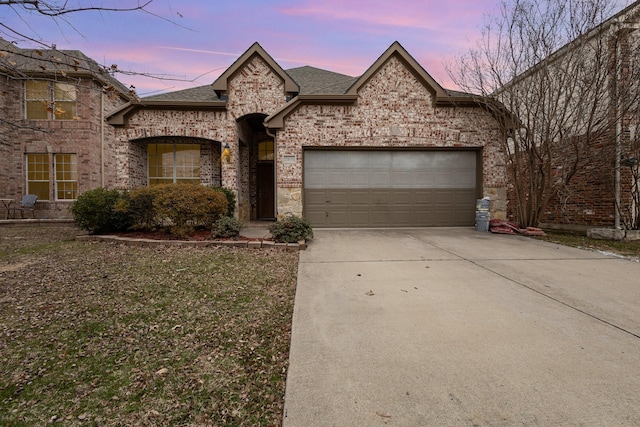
<point x="393" y="110"/>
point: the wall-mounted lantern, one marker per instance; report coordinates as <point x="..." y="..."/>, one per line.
<point x="226" y="153"/>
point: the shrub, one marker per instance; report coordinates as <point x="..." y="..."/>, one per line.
<point x="291" y="229"/>
<point x="141" y="208"/>
<point x="187" y="206"/>
<point x="226" y="227"/>
<point x="231" y="199"/>
<point x="101" y="210"/>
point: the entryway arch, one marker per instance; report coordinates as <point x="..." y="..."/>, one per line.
<point x="257" y="168"/>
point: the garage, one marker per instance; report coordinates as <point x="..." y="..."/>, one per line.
<point x="386" y="188"/>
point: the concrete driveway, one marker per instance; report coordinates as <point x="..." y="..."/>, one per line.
<point x="448" y="326"/>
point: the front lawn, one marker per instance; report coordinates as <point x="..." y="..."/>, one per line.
<point x="95" y="333"/>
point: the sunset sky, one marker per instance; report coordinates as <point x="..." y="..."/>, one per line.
<point x="191" y="42"/>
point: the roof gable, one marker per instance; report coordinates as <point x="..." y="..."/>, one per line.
<point x="221" y="83"/>
<point x="396" y="49"/>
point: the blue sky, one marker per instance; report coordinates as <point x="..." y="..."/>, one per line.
<point x="191" y="42"/>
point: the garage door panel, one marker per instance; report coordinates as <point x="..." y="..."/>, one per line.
<point x="359" y="198"/>
<point x="390" y="188"/>
<point x="358" y="179"/>
<point x="380" y="217"/>
<point x="315" y="198"/>
<point x="402" y="197"/>
<point x="337" y="198"/>
<point x="379" y="179"/>
<point x="317" y="217"/>
<point x="401" y="179"/>
<point x="402" y="217"/>
<point x="337" y="178"/>
<point x="337" y="218"/>
<point x="380" y="198"/>
<point x="360" y="217"/>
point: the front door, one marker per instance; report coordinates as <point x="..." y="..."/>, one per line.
<point x="265" y="187"/>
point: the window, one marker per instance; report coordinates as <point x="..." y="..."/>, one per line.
<point x="66" y="177"/>
<point x="173" y="163"/>
<point x="50" y="100"/>
<point x="38" y="175"/>
<point x="39" y="178"/>
<point x="64" y="100"/>
<point x="265" y="150"/>
<point x="37" y="100"/>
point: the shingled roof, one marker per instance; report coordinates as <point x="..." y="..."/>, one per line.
<point x="24" y="63"/>
<point x="195" y="94"/>
<point x="314" y="81"/>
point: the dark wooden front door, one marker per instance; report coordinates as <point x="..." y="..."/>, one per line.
<point x="265" y="191"/>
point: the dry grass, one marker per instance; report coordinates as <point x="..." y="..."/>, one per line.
<point x="95" y="333"/>
<point x="626" y="248"/>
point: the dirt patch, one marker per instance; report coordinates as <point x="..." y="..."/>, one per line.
<point x="14" y="267"/>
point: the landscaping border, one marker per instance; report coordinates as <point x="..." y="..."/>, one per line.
<point x="249" y="244"/>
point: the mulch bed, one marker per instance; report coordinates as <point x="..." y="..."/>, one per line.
<point x="198" y="235"/>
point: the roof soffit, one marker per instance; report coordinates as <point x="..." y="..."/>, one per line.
<point x="396" y="49"/>
<point x="221" y="83"/>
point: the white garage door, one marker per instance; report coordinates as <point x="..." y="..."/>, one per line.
<point x="390" y="188"/>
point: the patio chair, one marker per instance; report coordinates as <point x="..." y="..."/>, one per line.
<point x="28" y="203"/>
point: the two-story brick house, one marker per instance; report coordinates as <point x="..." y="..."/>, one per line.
<point x="54" y="140"/>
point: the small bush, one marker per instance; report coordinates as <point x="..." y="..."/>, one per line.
<point x="141" y="208"/>
<point x="226" y="227"/>
<point x="187" y="206"/>
<point x="291" y="229"/>
<point x="231" y="199"/>
<point x="101" y="210"/>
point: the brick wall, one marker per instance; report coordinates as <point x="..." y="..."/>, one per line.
<point x="255" y="89"/>
<point x="393" y="110"/>
<point x="82" y="136"/>
<point x="211" y="129"/>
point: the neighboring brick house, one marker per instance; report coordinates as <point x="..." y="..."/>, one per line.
<point x="54" y="141"/>
<point x="388" y="148"/>
<point x="593" y="156"/>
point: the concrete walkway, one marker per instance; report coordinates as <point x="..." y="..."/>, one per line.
<point x="448" y="326"/>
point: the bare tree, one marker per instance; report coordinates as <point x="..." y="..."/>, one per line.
<point x="567" y="84"/>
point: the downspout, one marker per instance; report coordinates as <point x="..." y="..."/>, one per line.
<point x="102" y="138"/>
<point x="617" y="165"/>
<point x="618" y="118"/>
<point x="620" y="26"/>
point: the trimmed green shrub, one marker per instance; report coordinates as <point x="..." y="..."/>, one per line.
<point x="141" y="208"/>
<point x="101" y="210"/>
<point x="291" y="229"/>
<point x="183" y="207"/>
<point x="226" y="226"/>
<point x="231" y="199"/>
